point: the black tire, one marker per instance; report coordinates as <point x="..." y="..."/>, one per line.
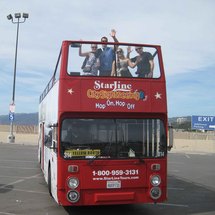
<point x="49" y="181"/>
<point x="40" y="157"/>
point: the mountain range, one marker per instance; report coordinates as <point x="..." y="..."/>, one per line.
<point x="20" y="119"/>
<point x="32" y="119"/>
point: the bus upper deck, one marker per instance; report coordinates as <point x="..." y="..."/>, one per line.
<point x="138" y="89"/>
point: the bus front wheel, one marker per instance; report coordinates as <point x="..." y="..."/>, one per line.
<point x="49" y="181"/>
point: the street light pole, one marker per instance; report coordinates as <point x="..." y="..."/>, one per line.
<point x="11" y="137"/>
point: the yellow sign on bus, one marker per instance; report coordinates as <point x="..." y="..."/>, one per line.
<point x="85" y="152"/>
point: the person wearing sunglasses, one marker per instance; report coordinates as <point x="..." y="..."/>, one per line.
<point x="107" y="55"/>
<point x="145" y="64"/>
<point x="120" y="67"/>
<point x="91" y="63"/>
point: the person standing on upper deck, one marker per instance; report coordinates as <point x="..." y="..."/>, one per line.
<point x="145" y="64"/>
<point x="120" y="66"/>
<point x="91" y="62"/>
<point x="107" y="55"/>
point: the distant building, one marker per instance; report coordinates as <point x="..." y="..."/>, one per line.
<point x="181" y="120"/>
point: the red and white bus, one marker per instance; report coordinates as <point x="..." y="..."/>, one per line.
<point x="103" y="139"/>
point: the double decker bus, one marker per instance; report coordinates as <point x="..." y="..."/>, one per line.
<point x="103" y="139"/>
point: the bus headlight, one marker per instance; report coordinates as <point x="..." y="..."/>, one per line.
<point x="155" y="193"/>
<point x="155" y="180"/>
<point x="73" y="182"/>
<point x="73" y="196"/>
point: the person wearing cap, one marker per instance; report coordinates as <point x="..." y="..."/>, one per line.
<point x="145" y="65"/>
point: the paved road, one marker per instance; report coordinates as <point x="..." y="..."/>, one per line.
<point x="23" y="190"/>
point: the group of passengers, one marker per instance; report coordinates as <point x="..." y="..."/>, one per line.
<point x="104" y="62"/>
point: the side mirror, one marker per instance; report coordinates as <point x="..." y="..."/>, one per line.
<point x="54" y="145"/>
<point x="170" y="140"/>
<point x="54" y="125"/>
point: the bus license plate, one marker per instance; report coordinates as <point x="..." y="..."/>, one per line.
<point x="113" y="184"/>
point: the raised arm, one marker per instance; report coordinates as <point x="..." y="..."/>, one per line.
<point x="129" y="50"/>
<point x="81" y="53"/>
<point x="113" y="72"/>
<point x="131" y="64"/>
<point x="113" y="35"/>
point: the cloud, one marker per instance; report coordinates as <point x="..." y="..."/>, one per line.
<point x="184" y="29"/>
<point x="191" y="93"/>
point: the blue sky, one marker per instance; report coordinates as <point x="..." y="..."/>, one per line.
<point x="184" y="29"/>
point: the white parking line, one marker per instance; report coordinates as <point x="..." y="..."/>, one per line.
<point x="15" y="167"/>
<point x="175" y="188"/>
<point x="187" y="156"/>
<point x="19" y="181"/>
<point x="6" y="213"/>
<point x="174" y="205"/>
<point x="6" y="186"/>
<point x="174" y="170"/>
<point x="27" y="191"/>
<point x="10" y="176"/>
<point x="22" y="161"/>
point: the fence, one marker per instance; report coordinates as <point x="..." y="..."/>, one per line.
<point x="22" y="129"/>
<point x="183" y="141"/>
<point x="178" y="134"/>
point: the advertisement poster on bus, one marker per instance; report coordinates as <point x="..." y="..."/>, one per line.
<point x="99" y="95"/>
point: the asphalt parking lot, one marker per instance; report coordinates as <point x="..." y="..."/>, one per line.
<point x="23" y="190"/>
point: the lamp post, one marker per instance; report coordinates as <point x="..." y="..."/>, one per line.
<point x="19" y="19"/>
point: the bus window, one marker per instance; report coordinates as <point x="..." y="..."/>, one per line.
<point x="112" y="138"/>
<point x="89" y="63"/>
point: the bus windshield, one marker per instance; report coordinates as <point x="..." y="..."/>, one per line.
<point x="112" y="138"/>
<point x="113" y="61"/>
